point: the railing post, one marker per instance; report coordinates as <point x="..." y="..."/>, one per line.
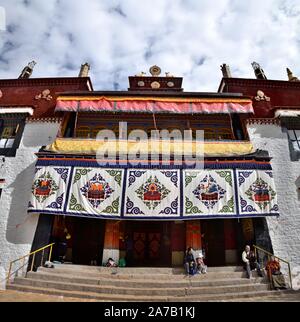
<point x="43" y="252"/>
<point x="32" y="263"/>
<point x="290" y="274"/>
<point x="9" y="272"/>
<point x="23" y="264"/>
<point x="50" y="254"/>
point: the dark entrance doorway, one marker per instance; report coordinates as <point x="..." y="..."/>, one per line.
<point x="87" y="239"/>
<point x="214" y="242"/>
<point x="151" y="243"/>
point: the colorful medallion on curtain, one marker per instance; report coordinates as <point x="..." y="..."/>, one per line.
<point x="208" y="192"/>
<point x="96" y="191"/>
<point x="49" y="189"/>
<point x="257" y="192"/>
<point x="152" y="193"/>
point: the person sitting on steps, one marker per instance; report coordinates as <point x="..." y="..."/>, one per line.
<point x="275" y="275"/>
<point x="250" y="262"/>
<point x="189" y="262"/>
<point x="201" y="268"/>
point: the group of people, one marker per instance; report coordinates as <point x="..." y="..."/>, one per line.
<point x="272" y="268"/>
<point x="194" y="265"/>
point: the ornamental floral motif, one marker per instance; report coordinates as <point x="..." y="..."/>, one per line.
<point x="152" y="192"/>
<point x="45" y="95"/>
<point x="97" y="190"/>
<point x="261" y="193"/>
<point x="44" y="187"/>
<point x="209" y="192"/>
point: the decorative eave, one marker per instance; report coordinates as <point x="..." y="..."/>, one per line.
<point x="258" y="160"/>
<point x="153" y="94"/>
<point x="258" y="155"/>
<point x="44" y="120"/>
<point x="154" y="104"/>
<point x="263" y="121"/>
<point x="51" y="81"/>
<point x="16" y="110"/>
<point x="253" y="82"/>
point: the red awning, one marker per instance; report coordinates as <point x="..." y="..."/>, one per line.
<point x="154" y="105"/>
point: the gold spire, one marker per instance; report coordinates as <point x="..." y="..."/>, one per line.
<point x="292" y="78"/>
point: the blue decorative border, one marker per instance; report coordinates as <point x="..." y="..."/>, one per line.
<point x="154" y="218"/>
<point x="94" y="164"/>
<point x="68" y="189"/>
<point x="236" y="197"/>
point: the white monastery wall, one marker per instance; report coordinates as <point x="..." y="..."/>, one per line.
<point x="17" y="228"/>
<point x="285" y="230"/>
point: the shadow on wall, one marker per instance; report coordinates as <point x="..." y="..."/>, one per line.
<point x="268" y="131"/>
<point x="36" y="135"/>
<point x="297" y="182"/>
<point x="21" y="226"/>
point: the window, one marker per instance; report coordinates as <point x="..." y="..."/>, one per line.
<point x="10" y="128"/>
<point x="294" y="136"/>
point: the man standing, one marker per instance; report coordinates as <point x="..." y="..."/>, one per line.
<point x="250" y="262"/>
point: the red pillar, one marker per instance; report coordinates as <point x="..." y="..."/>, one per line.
<point x="177" y="243"/>
<point x="111" y="241"/>
<point x="230" y="234"/>
<point x="193" y="235"/>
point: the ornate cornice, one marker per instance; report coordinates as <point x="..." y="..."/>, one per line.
<point x="44" y="81"/>
<point x="263" y="121"/>
<point x="265" y="83"/>
<point x="44" y="120"/>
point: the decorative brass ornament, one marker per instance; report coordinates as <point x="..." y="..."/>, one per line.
<point x="169" y="74"/>
<point x="155" y="85"/>
<point x="262" y="97"/>
<point x="1" y="94"/>
<point x="155" y="71"/>
<point x="44" y="95"/>
<point x="141" y="84"/>
<point x="170" y="84"/>
<point x="141" y="74"/>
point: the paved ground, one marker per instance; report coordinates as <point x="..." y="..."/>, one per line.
<point x="13" y="296"/>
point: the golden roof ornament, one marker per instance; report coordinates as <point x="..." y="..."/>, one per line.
<point x="155" y="71"/>
<point x="169" y="74"/>
<point x="292" y="78"/>
<point x="141" y="74"/>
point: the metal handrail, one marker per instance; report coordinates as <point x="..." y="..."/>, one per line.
<point x="280" y="259"/>
<point x="42" y="249"/>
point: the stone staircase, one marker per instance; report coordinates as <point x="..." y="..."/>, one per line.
<point x="142" y="284"/>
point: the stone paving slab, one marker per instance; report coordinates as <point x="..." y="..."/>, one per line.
<point x="14" y="296"/>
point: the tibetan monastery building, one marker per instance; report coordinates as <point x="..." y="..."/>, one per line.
<point x="150" y="207"/>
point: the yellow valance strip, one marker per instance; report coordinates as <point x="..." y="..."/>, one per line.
<point x="89" y="146"/>
<point x="157" y="99"/>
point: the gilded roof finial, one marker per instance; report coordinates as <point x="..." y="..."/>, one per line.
<point x="292" y="78"/>
<point x="141" y="74"/>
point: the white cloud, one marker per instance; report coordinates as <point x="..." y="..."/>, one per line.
<point x="189" y="38"/>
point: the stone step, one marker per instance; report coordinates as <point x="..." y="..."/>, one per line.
<point x="194" y="281"/>
<point x="121" y="298"/>
<point x="141" y="270"/>
<point x="121" y="274"/>
<point x="175" y="291"/>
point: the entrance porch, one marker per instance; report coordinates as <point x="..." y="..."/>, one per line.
<point x="154" y="243"/>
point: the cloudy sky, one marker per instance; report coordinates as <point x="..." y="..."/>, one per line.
<point x="189" y="38"/>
